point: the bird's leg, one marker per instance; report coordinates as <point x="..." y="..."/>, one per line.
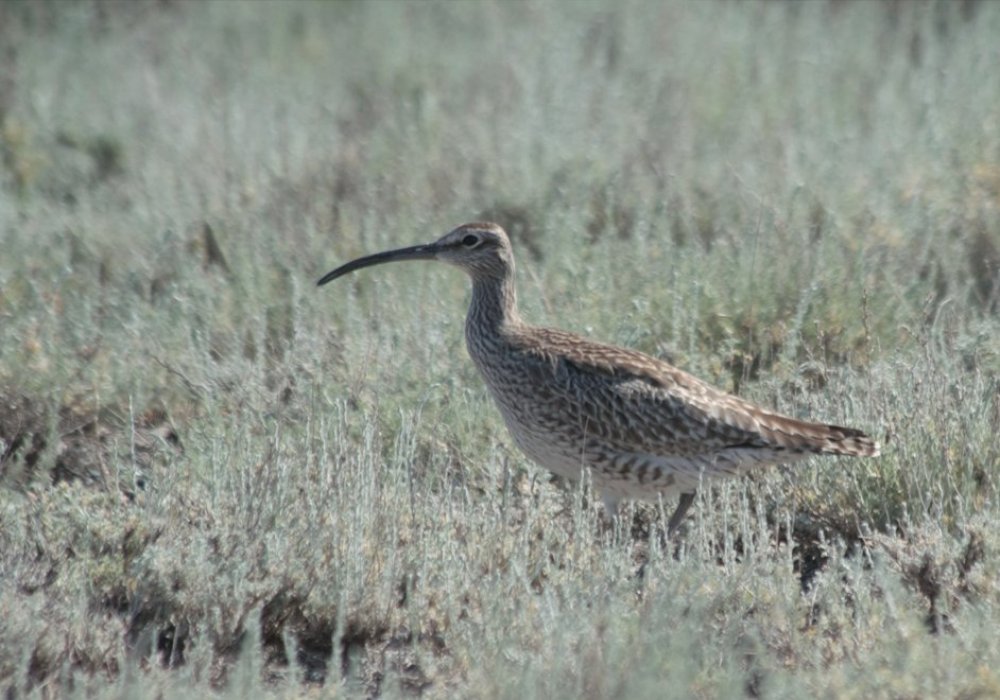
<point x="611" y="516"/>
<point x="682" y="508"/>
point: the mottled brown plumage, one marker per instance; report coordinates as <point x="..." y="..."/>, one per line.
<point x="641" y="426"/>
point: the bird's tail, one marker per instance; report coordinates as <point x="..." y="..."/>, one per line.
<point x="817" y="438"/>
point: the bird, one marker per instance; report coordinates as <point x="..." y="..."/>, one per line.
<point x="641" y="427"/>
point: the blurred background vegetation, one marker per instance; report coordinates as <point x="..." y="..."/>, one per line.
<point x="216" y="478"/>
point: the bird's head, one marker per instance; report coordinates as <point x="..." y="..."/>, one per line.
<point x="481" y="249"/>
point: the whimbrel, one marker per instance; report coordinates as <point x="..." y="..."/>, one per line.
<point x="641" y="426"/>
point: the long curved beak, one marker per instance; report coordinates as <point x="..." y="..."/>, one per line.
<point x="417" y="252"/>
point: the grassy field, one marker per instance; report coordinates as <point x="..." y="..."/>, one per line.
<point x="216" y="478"/>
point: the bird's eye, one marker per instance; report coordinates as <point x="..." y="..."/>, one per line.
<point x="470" y="241"/>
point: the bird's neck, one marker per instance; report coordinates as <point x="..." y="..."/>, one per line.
<point x="493" y="306"/>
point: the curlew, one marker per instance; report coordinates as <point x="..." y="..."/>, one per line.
<point x="641" y="426"/>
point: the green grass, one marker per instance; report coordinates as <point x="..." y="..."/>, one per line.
<point x="216" y="478"/>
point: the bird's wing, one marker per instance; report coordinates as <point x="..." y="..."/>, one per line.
<point x="634" y="402"/>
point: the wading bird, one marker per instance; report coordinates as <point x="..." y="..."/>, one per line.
<point x="640" y="426"/>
